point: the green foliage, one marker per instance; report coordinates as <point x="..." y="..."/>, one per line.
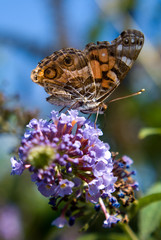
<point x="13" y="118"/>
<point x="150" y="215"/>
<point x="111" y="236"/>
<point x="145" y="132"/>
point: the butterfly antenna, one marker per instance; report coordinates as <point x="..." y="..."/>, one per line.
<point x="130" y="95"/>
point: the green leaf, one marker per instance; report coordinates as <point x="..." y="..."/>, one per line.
<point x="126" y="228"/>
<point x="118" y="236"/>
<point x="88" y="237"/>
<point x="143" y="202"/>
<point x="108" y="236"/>
<point x="150" y="216"/>
<point x="145" y="132"/>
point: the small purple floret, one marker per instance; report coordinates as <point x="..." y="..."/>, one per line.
<point x="59" y="222"/>
<point x="127" y="160"/>
<point x="17" y="166"/>
<point x="111" y="220"/>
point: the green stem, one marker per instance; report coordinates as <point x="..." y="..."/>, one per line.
<point x="128" y="231"/>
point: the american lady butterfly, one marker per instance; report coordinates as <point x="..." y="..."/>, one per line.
<point x="83" y="80"/>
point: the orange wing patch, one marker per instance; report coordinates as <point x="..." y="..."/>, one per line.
<point x="104" y="67"/>
<point x="112" y="76"/>
<point x="95" y="65"/>
<point x="103" y="55"/>
<point x="112" y="61"/>
<point x="106" y="83"/>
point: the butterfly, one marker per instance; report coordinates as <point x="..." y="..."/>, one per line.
<point x="83" y="80"/>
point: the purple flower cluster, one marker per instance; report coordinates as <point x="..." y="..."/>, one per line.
<point x="68" y="161"/>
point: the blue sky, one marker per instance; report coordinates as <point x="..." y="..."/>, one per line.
<point x="32" y="20"/>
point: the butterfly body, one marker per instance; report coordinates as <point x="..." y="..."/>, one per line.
<point x="83" y="80"/>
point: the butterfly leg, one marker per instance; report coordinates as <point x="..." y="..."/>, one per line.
<point x="71" y="107"/>
<point x="62" y="109"/>
<point x="96" y="117"/>
<point x="89" y="116"/>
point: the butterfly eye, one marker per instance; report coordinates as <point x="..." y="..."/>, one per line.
<point x="50" y="73"/>
<point x="68" y="61"/>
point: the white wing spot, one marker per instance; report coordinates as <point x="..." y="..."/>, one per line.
<point x="119" y="47"/>
<point x="124" y="59"/>
<point x="132" y="40"/>
<point x="127" y="61"/>
<point x="138" y="47"/>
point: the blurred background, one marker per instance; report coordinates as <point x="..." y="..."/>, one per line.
<point x="33" y="29"/>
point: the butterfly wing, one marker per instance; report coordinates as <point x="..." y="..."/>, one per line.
<point x="86" y="78"/>
<point x="66" y="76"/>
<point x="111" y="62"/>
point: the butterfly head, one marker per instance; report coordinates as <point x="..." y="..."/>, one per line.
<point x="102" y="108"/>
